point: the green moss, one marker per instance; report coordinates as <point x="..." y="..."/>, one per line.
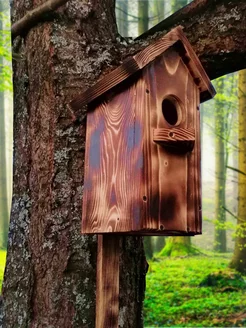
<point x="176" y="296"/>
<point x="227" y="280"/>
<point x="177" y="249"/>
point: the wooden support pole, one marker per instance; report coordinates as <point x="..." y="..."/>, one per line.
<point x="107" y="297"/>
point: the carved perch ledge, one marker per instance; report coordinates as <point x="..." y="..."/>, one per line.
<point x="34" y="16"/>
<point x="179" y="138"/>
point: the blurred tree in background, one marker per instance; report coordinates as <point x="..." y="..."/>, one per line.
<point x="143" y="16"/>
<point x="122" y="10"/>
<point x="220" y="168"/>
<point x="5" y="85"/>
<point x="239" y="257"/>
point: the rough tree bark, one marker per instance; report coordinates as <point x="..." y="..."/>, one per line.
<point x="50" y="273"/>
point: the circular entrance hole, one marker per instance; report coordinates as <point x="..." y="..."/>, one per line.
<point x="171" y="110"/>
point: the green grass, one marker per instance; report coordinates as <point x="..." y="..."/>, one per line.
<point x="174" y="297"/>
<point x="2" y="266"/>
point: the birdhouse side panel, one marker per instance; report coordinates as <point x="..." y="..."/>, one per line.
<point x="194" y="163"/>
<point x="114" y="167"/>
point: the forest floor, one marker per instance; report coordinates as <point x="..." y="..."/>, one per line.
<point x="2" y="266"/>
<point x="198" y="291"/>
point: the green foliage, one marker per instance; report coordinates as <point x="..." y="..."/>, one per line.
<point x="5" y="54"/>
<point x="175" y="296"/>
<point x="2" y="266"/>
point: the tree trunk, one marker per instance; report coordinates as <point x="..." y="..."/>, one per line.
<point x="123" y="17"/>
<point x="143" y="16"/>
<point x="50" y="274"/>
<point x="220" y="172"/>
<point x="177" y="4"/>
<point x="158" y="11"/>
<point x="178" y="246"/>
<point x="4" y="208"/>
<point x="239" y="257"/>
<point x="159" y="244"/>
<point x="148" y="247"/>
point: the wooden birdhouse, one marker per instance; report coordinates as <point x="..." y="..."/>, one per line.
<point x="142" y="161"/>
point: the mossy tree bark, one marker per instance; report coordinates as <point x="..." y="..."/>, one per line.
<point x="239" y="257"/>
<point x="4" y="208"/>
<point x="50" y="274"/>
<point x="178" y="246"/>
<point x="220" y="172"/>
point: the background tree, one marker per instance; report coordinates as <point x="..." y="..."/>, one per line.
<point x="143" y="16"/>
<point x="122" y="9"/>
<point x="177" y="4"/>
<point x="239" y="257"/>
<point x="220" y="169"/>
<point x="5" y="84"/>
<point x="159" y="243"/>
<point x="148" y="247"/>
<point x="158" y="11"/>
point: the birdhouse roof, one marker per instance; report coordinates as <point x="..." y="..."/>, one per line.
<point x="175" y="38"/>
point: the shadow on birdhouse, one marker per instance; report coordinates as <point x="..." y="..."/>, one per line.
<point x="142" y="162"/>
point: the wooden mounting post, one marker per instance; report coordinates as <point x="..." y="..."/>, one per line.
<point x="107" y="297"/>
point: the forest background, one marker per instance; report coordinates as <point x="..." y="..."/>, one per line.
<point x="191" y="281"/>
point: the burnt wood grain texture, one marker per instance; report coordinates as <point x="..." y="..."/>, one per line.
<point x="133" y="64"/>
<point x="133" y="184"/>
<point x="107" y="300"/>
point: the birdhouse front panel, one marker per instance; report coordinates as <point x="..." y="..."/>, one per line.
<point x="174" y="147"/>
<point x="142" y="161"/>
